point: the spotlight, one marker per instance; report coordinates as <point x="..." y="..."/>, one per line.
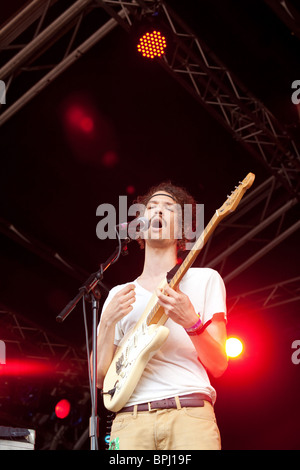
<point x="150" y="33"/>
<point x="152" y="44"/>
<point x="234" y="347"/>
<point x="62" y="409"/>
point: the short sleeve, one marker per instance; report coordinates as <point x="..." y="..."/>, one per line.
<point x="215" y="297"/>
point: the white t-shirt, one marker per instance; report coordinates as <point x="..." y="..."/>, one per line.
<point x="175" y="369"/>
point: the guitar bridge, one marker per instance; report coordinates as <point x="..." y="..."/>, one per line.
<point x="110" y="392"/>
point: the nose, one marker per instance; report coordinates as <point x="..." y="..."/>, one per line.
<point x="158" y="210"/>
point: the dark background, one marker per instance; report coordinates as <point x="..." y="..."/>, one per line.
<point x="148" y="129"/>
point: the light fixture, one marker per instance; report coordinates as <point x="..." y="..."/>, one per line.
<point x="152" y="44"/>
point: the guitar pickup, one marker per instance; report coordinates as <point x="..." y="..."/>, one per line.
<point x="119" y="364"/>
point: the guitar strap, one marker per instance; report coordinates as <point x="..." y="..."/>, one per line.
<point x="174" y="270"/>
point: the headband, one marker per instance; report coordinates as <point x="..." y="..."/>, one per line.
<point x="162" y="194"/>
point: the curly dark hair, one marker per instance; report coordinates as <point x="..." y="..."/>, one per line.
<point x="182" y="197"/>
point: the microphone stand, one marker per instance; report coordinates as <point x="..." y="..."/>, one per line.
<point x="90" y="291"/>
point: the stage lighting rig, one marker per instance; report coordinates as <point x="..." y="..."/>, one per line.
<point x="150" y="35"/>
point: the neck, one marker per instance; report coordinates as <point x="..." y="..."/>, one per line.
<point x="158" y="261"/>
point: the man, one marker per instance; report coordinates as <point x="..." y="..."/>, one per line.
<point x="171" y="407"/>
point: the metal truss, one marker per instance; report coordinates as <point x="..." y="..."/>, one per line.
<point x="221" y="93"/>
<point x="190" y="62"/>
<point x="263" y="220"/>
<point x="32" y="65"/>
<point x="41" y="250"/>
<point x="30" y="40"/>
<point x="35" y="395"/>
<point x="271" y="296"/>
<point x="30" y="341"/>
<point x="288" y="13"/>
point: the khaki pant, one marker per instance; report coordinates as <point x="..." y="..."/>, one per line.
<point x="171" y="429"/>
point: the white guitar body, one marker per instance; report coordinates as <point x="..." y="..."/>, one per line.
<point x="148" y="335"/>
<point x="129" y="362"/>
<point x="133" y="353"/>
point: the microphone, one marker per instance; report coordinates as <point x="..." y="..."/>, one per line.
<point x="140" y="224"/>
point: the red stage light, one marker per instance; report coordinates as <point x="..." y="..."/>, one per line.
<point x="234" y="347"/>
<point x="86" y="124"/>
<point x="62" y="409"/>
<point x="152" y="45"/>
<point x="109" y="159"/>
<point x="26" y="368"/>
<point x="130" y="189"/>
<point x="79" y="118"/>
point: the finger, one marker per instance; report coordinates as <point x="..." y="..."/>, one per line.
<point x="128" y="296"/>
<point x="164" y="300"/>
<point x="127" y="310"/>
<point x="126" y="292"/>
<point x="170" y="291"/>
<point x="177" y="289"/>
<point x="128" y="302"/>
<point x="127" y="289"/>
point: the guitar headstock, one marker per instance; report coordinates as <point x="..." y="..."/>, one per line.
<point x="233" y="200"/>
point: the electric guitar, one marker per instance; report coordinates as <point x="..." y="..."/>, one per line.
<point x="149" y="333"/>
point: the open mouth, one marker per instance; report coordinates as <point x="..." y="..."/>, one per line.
<point x="156" y="223"/>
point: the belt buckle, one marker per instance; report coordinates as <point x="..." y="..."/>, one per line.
<point x="150" y="408"/>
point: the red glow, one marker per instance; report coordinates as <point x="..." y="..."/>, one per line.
<point x="62" y="409"/>
<point x="80" y="118"/>
<point x="87" y="124"/>
<point x="89" y="133"/>
<point x="130" y="189"/>
<point x="25" y="368"/>
<point x="109" y="159"/>
<point x="152" y="45"/>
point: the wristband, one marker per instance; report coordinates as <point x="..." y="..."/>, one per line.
<point x="195" y="327"/>
<point x="199" y="330"/>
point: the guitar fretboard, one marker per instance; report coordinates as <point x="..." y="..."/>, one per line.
<point x="185" y="265"/>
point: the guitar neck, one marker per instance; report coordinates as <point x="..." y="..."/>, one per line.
<point x="157" y="313"/>
<point x="194" y="252"/>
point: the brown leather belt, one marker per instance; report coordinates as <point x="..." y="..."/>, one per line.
<point x="193" y="400"/>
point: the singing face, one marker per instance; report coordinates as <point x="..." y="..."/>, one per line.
<point x="164" y="215"/>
